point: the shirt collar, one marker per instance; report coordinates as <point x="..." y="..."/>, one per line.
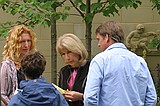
<point x="116" y="45"/>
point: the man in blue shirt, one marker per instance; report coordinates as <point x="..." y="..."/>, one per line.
<point x="117" y="77"/>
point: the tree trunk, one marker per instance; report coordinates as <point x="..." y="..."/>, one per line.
<point x="53" y="49"/>
<point x="88" y="30"/>
<point x="88" y="39"/>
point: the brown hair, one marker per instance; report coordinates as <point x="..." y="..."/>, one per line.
<point x="111" y="28"/>
<point x="33" y="65"/>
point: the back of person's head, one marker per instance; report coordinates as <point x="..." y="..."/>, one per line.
<point x="33" y="65"/>
<point x="12" y="46"/>
<point x="113" y="29"/>
<point x="72" y="43"/>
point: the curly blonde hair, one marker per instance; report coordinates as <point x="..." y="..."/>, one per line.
<point x="12" y="46"/>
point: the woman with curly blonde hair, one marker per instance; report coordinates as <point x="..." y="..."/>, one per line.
<point x="19" y="42"/>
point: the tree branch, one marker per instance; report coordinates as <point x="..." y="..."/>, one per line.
<point x="102" y="8"/>
<point x="75" y="14"/>
<point x="81" y="14"/>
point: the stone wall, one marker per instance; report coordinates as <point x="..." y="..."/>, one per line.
<point x="128" y="18"/>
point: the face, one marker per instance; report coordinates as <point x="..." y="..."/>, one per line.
<point x="25" y="44"/>
<point x="70" y="58"/>
<point x="141" y="30"/>
<point x="102" y="42"/>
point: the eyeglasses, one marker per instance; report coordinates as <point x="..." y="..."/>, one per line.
<point x="23" y="42"/>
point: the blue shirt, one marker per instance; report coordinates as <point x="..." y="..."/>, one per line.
<point x="118" y="77"/>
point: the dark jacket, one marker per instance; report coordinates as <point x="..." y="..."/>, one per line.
<point x="79" y="83"/>
<point x="37" y="92"/>
<point x="20" y="77"/>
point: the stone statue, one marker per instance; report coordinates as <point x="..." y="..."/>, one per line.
<point x="139" y="39"/>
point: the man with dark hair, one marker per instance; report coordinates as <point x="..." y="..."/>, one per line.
<point x="35" y="91"/>
<point x="117" y="76"/>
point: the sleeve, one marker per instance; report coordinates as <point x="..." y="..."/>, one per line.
<point x="91" y="93"/>
<point x="60" y="79"/>
<point x="4" y="81"/>
<point x="151" y="96"/>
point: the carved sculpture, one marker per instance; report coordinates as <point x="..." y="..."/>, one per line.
<point x="139" y="39"/>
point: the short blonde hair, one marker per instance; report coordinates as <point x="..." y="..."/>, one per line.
<point x="72" y="43"/>
<point x="12" y="46"/>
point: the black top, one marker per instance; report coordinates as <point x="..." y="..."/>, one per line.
<point x="79" y="83"/>
<point x="20" y="77"/>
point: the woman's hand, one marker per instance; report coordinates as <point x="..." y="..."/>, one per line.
<point x="73" y="96"/>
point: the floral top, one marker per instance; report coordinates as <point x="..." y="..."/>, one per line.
<point x="8" y="79"/>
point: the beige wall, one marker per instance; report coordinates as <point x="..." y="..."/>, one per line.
<point x="128" y="18"/>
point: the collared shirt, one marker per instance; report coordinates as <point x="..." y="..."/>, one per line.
<point x="79" y="83"/>
<point x="118" y="77"/>
<point x="8" y="79"/>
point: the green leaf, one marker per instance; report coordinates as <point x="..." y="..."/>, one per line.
<point x="67" y="8"/>
<point x="138" y="2"/>
<point x="154" y="43"/>
<point x="89" y="17"/>
<point x="135" y="5"/>
<point x="29" y="13"/>
<point x="46" y="23"/>
<point x="83" y="7"/>
<point x="14" y="11"/>
<point x="110" y="11"/>
<point x="57" y="16"/>
<point x="95" y="6"/>
<point x="64" y="16"/>
<point x="120" y="3"/>
<point x="4" y="28"/>
<point x="77" y="2"/>
<point x="3" y="32"/>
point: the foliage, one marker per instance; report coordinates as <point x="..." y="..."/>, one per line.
<point x="34" y="13"/>
<point x="87" y="9"/>
<point x="155" y="43"/>
<point x="156" y="4"/>
<point x="39" y="12"/>
<point x="107" y="8"/>
<point x="31" y="13"/>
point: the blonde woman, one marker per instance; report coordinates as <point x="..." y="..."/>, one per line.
<point x="19" y="42"/>
<point x="73" y="75"/>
